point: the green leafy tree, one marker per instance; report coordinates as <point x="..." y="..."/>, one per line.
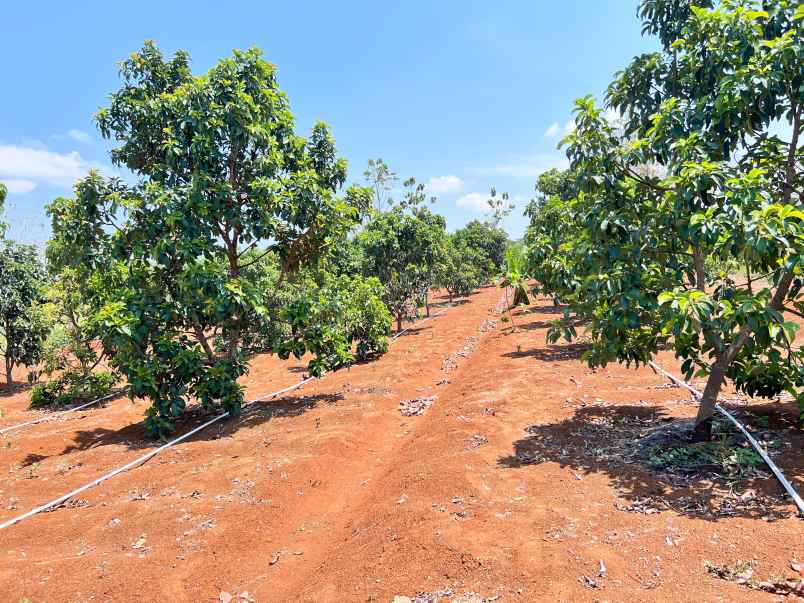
<point x="22" y="325"/>
<point x="339" y="301"/>
<point x="403" y="250"/>
<point x="462" y="270"/>
<point x="354" y="305"/>
<point x="431" y="238"/>
<point x="489" y="240"/>
<point x="73" y="342"/>
<point x="696" y="171"/>
<point x="224" y="183"/>
<point x="514" y="277"/>
<point x="554" y="222"/>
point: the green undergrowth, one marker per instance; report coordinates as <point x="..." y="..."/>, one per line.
<point x="730" y="455"/>
<point x="72" y="387"/>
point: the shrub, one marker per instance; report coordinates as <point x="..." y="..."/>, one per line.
<point x="72" y="387"/>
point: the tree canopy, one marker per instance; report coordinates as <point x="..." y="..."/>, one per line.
<point x="22" y="325"/>
<point x="403" y="250"/>
<point x="489" y="240"/>
<point x="698" y="170"/>
<point x="224" y="183"/>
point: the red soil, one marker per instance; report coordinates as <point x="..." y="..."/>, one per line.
<point x="330" y="494"/>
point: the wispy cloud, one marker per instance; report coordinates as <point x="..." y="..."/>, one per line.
<point x="79" y="135"/>
<point x="443" y="185"/>
<point x="19" y="187"/>
<point x="476" y="202"/>
<point x="529" y="166"/>
<point x="553" y="130"/>
<point x="41" y="166"/>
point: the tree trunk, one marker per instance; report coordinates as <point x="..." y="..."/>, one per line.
<point x="427" y="303"/>
<point x="398" y="323"/>
<point x="706" y="408"/>
<point x="717" y="374"/>
<point x="508" y="307"/>
<point x="703" y="422"/>
<point x="9" y="366"/>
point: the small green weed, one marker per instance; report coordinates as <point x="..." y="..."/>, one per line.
<point x="734" y="459"/>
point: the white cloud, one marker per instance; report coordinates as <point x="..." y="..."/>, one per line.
<point x="19" y="187"/>
<point x="444" y="184"/>
<point x="529" y="166"/>
<point x="477" y="202"/>
<point x="79" y="135"/>
<point x="42" y="166"/>
<point x="553" y="130"/>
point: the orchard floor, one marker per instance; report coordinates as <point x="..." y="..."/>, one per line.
<point x="331" y="494"/>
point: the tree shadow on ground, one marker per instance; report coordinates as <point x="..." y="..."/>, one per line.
<point x="614" y="439"/>
<point x="448" y="304"/>
<point x="135" y="436"/>
<point x="444" y="298"/>
<point x="18" y="387"/>
<point x="546" y="324"/>
<point x="541" y="309"/>
<point x="31" y="459"/>
<point x="412" y="331"/>
<point x="551" y="353"/>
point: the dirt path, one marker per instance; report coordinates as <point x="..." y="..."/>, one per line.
<point x="482" y="513"/>
<point x="331" y="494"/>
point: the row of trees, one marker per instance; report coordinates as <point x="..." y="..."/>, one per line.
<point x="22" y="324"/>
<point x="680" y="224"/>
<point x="233" y="236"/>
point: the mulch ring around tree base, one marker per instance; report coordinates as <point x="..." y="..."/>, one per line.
<point x="720" y="478"/>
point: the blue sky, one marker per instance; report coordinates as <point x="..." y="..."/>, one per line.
<point x="463" y="94"/>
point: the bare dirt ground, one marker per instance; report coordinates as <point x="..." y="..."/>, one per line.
<point x="517" y="482"/>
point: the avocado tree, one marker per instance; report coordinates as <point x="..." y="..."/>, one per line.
<point x="462" y="270"/>
<point x="22" y="325"/>
<point x="223" y="184"/>
<point x="554" y="223"/>
<point x="706" y="165"/>
<point x="403" y="250"/>
<point x="489" y="240"/>
<point x="431" y="240"/>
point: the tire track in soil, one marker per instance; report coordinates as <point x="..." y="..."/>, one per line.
<point x="357" y="488"/>
<point x="210" y="514"/>
<point x="474" y="520"/>
<point x="379" y="504"/>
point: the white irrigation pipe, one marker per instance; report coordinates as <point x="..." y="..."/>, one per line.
<point x="762" y="452"/>
<point x="145" y="457"/>
<point x="55" y="416"/>
<point x="140" y="460"/>
<point x="418" y="323"/>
